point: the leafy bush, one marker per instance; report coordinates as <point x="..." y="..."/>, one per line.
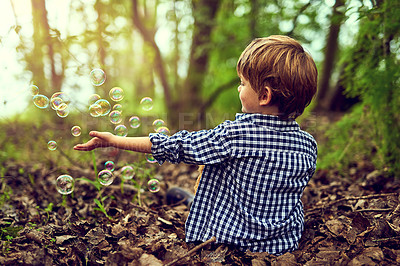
<point x="372" y="129"/>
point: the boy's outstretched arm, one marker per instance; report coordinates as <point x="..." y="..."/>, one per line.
<point x="106" y="139"/>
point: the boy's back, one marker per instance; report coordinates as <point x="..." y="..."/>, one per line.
<point x="249" y="195"/>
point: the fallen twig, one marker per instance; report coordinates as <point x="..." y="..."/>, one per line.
<point x="385" y="239"/>
<point x="374" y="210"/>
<point x="311" y="210"/>
<point x="193" y="250"/>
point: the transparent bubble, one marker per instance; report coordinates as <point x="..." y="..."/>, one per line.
<point x="109" y="165"/>
<point x="153" y="185"/>
<point x="52" y="145"/>
<point x="56" y="103"/>
<point x="158" y="123"/>
<point x="65" y="184"/>
<point x="115" y="117"/>
<point x="116" y="94"/>
<point x="149" y="157"/>
<point x="105" y="107"/>
<point x="93" y="98"/>
<point x="97" y="77"/>
<point x="76" y="131"/>
<point x="117" y="107"/>
<point x="146" y="103"/>
<point x="41" y="101"/>
<point x="134" y="122"/>
<point x="95" y="110"/>
<point x="127" y="172"/>
<point x="163" y="130"/>
<point x="63" y="110"/>
<point x="62" y="95"/>
<point x="62" y="106"/>
<point x="121" y="130"/>
<point x="34" y="90"/>
<point x="105" y="177"/>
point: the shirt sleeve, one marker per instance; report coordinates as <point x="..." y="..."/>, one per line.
<point x="198" y="147"/>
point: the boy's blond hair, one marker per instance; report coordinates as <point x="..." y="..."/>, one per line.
<point x="280" y="63"/>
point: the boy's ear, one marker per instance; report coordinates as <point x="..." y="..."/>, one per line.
<point x="266" y="98"/>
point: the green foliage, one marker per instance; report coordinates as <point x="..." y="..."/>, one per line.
<point x="142" y="174"/>
<point x="7" y="234"/>
<point x="101" y="206"/>
<point x="372" y="74"/>
<point x="346" y="144"/>
<point x="5" y="192"/>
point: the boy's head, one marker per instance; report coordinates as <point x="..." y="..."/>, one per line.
<point x="281" y="64"/>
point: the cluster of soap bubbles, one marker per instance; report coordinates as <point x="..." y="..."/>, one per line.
<point x="106" y="176"/>
<point x="59" y="101"/>
<point x="100" y="107"/>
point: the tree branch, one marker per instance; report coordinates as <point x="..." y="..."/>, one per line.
<point x="211" y="99"/>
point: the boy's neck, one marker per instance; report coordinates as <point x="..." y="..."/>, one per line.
<point x="270" y="110"/>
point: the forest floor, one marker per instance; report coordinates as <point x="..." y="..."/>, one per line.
<point x="351" y="218"/>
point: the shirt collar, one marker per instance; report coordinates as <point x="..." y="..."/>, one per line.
<point x="269" y="121"/>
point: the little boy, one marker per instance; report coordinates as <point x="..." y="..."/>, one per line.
<point x="257" y="166"/>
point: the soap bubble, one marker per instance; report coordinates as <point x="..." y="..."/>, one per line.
<point x="97" y="77"/>
<point x="117" y="107"/>
<point x="121" y="130"/>
<point x="76" y="131"/>
<point x="56" y="103"/>
<point x="95" y="110"/>
<point x="146" y="103"/>
<point x="105" y="107"/>
<point x="52" y="145"/>
<point x="158" y="123"/>
<point x="93" y="98"/>
<point x="65" y="184"/>
<point x="116" y="94"/>
<point x="109" y="165"/>
<point x="150" y="158"/>
<point x="41" y="101"/>
<point x="105" y="177"/>
<point x="127" y="172"/>
<point x="153" y="185"/>
<point x="134" y="122"/>
<point x="34" y="90"/>
<point x="163" y="130"/>
<point x="63" y="110"/>
<point x="62" y="95"/>
<point x="115" y="117"/>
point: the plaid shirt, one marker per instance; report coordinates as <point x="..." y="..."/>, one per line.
<point x="257" y="167"/>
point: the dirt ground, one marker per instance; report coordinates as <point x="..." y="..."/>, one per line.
<point x="351" y="219"/>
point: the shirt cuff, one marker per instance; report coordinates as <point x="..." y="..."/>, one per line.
<point x="156" y="140"/>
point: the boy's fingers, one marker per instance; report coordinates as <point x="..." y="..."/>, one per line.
<point x="78" y="147"/>
<point x="81" y="148"/>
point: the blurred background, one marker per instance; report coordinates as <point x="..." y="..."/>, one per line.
<point x="182" y="54"/>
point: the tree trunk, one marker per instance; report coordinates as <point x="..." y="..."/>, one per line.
<point x="44" y="39"/>
<point x="35" y="59"/>
<point x="204" y="12"/>
<point x="330" y="56"/>
<point x="100" y="29"/>
<point x="148" y="37"/>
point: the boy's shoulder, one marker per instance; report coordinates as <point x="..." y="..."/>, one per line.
<point x="264" y="121"/>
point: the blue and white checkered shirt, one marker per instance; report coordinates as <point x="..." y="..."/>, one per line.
<point x="257" y="167"/>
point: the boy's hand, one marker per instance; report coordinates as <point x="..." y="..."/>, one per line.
<point x="99" y="140"/>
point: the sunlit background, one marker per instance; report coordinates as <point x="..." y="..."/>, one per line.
<point x="17" y="26"/>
